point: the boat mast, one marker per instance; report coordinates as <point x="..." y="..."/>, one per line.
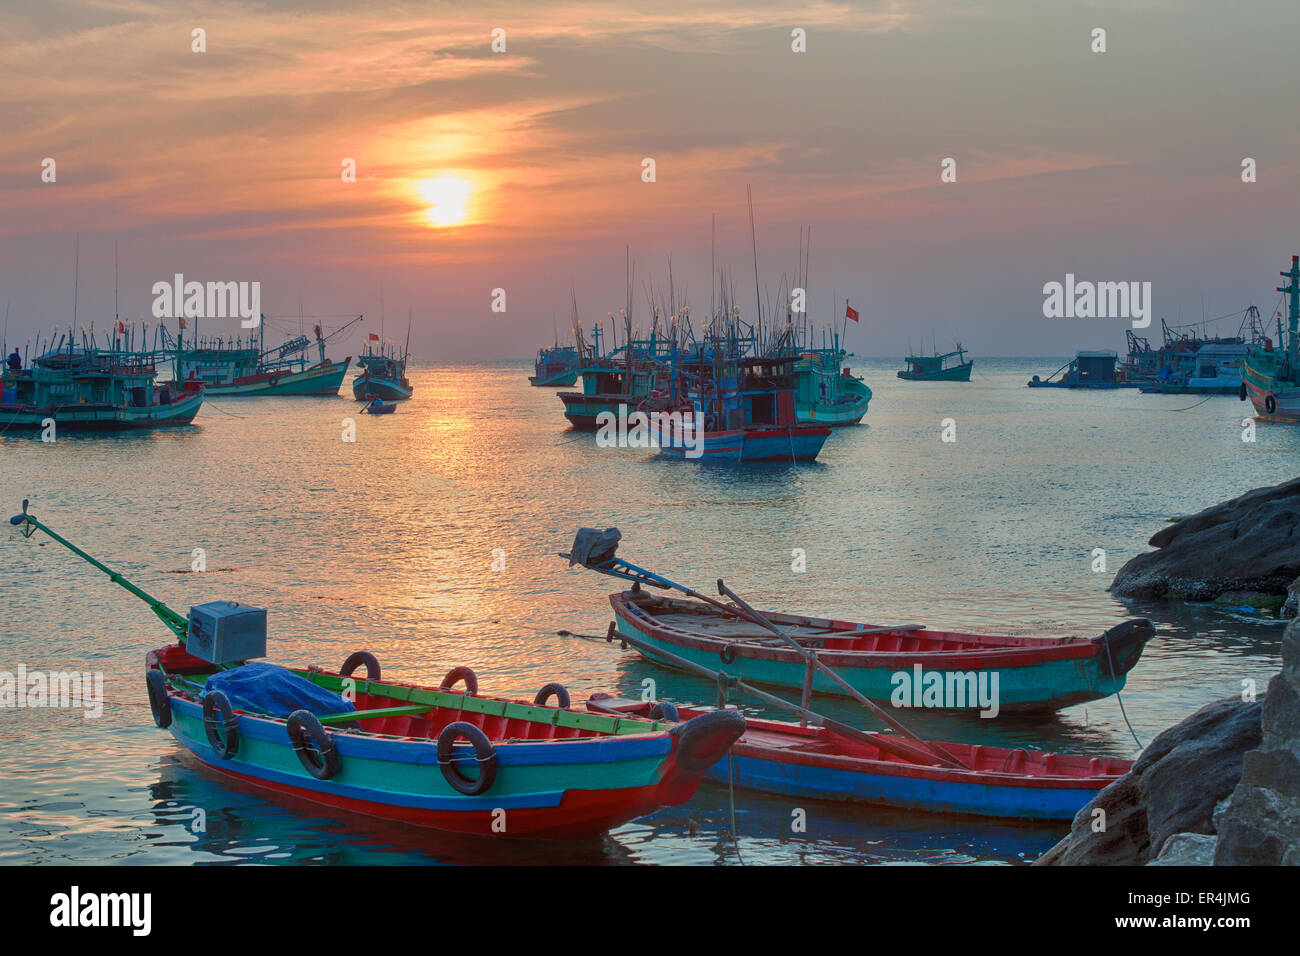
<point x="1293" y="313"/>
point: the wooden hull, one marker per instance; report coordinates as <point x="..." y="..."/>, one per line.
<point x="841" y="413"/>
<point x="563" y="379"/>
<point x="320" y="380"/>
<point x="750" y="444"/>
<point x="582" y="410"/>
<point x="557" y="775"/>
<point x="86" y="417"/>
<point x="366" y="386"/>
<point x="810" y="763"/>
<point x="958" y="373"/>
<point x="1031" y="674"/>
<point x="1273" y="400"/>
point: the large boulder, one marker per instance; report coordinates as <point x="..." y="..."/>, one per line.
<point x="1173" y="788"/>
<point x="1241" y="551"/>
<point x="1260" y="823"/>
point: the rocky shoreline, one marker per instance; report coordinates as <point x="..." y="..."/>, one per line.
<point x="1222" y="786"/>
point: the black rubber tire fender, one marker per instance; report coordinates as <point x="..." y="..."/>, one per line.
<point x="1270" y="404"/>
<point x="728" y="654"/>
<point x="663" y="710"/>
<point x="218" y="714"/>
<point x="698" y="738"/>
<point x="159" y="702"/>
<point x="356" y="659"/>
<point x="1241" y="392"/>
<point x="560" y="693"/>
<point x="320" y="760"/>
<point x="484" y="753"/>
<point x="457" y="674"/>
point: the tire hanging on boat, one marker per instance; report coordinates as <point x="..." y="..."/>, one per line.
<point x="484" y="753"/>
<point x="219" y="715"/>
<point x="321" y="760"/>
<point x="460" y="674"/>
<point x="694" y="753"/>
<point x="159" y="702"/>
<point x="558" y="690"/>
<point x="1270" y="404"/>
<point x="728" y="654"/>
<point x="663" y="710"/>
<point x="357" y="658"/>
<point x="1241" y="393"/>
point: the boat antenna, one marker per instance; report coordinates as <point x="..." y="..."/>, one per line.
<point x="76" y="276"/>
<point x="753" y="241"/>
<point x="406" y="349"/>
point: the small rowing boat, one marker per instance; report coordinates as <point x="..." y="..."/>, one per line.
<point x="378" y="406"/>
<point x="908" y="665"/>
<point x="437" y="757"/>
<point x="794" y="760"/>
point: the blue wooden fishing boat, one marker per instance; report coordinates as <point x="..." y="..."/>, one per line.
<point x="948" y="367"/>
<point x="89" y="389"/>
<point x="556" y="366"/>
<point x="378" y="406"/>
<point x="821" y="763"/>
<point x="907" y="665"/>
<point x="246" y="368"/>
<point x="439" y="757"/>
<point x="1270" y="376"/>
<point x="825" y="391"/>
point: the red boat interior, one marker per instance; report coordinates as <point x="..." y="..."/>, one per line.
<point x="705" y="621"/>
<point x="429" y="725"/>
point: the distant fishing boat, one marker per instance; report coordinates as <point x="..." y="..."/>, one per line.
<point x="948" y="367"/>
<point x="821" y="763"/>
<point x="427" y="756"/>
<point x="85" y="388"/>
<point x="1213" y="369"/>
<point x="556" y="366"/>
<point x="245" y="368"/>
<point x="825" y="392"/>
<point x="383" y="371"/>
<point x="619" y="380"/>
<point x="1270" y="377"/>
<point x="746" y="405"/>
<point x="1189" y="362"/>
<point x="1032" y="674"/>
<point x="1095" y="369"/>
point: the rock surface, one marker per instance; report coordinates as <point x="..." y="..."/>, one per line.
<point x="1260" y="823"/>
<point x="1173" y="789"/>
<point x="1250" y="544"/>
<point x="1187" y="849"/>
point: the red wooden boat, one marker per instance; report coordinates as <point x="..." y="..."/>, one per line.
<point x="816" y="763"/>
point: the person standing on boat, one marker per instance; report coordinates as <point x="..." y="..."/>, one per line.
<point x="15" y="361"/>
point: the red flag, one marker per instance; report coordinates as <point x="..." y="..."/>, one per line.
<point x="121" y="328"/>
<point x="373" y="337"/>
<point x="850" y="312"/>
<point x="181" y="319"/>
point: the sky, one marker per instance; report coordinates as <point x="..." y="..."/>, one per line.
<point x="522" y="170"/>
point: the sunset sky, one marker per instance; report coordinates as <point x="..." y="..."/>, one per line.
<point x="522" y="170"/>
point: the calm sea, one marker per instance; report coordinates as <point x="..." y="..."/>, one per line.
<point x="388" y="544"/>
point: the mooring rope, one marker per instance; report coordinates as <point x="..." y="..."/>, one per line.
<point x="731" y="795"/>
<point x="1197" y="405"/>
<point x="1120" y="697"/>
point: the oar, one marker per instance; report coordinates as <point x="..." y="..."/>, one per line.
<point x="178" y="623"/>
<point x="896" y="747"/>
<point x="852" y="691"/>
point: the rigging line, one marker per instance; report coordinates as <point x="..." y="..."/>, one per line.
<point x="1197" y="405"/>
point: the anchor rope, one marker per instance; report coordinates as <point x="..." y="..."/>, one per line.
<point x="1120" y="697"/>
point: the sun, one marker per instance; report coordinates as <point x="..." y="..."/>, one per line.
<point x="448" y="198"/>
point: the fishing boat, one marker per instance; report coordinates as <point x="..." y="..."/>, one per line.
<point x="821" y="763"/>
<point x="383" y="371"/>
<point x="908" y="665"/>
<point x="737" y="409"/>
<point x="1270" y="377"/>
<point x="615" y="383"/>
<point x="246" y="368"/>
<point x="88" y="389"/>
<point x="948" y="367"/>
<point x="378" y="406"/>
<point x="1089" y="369"/>
<point x="440" y="757"/>
<point x="556" y="366"/>
<point x="825" y="391"/>
<point x="1213" y="369"/>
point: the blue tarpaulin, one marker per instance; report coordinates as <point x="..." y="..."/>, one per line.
<point x="265" y="688"/>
